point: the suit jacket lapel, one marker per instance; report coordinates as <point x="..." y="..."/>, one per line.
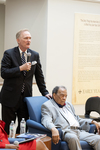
<point x="59" y="109"/>
<point x="68" y="108"/>
<point x="17" y="56"/>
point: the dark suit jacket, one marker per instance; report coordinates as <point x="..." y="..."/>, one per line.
<point x="13" y="78"/>
<point x="0" y="97"/>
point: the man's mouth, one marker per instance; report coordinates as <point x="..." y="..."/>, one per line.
<point x="28" y="43"/>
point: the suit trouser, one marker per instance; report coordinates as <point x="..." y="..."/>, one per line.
<point x="73" y="137"/>
<point x="10" y="113"/>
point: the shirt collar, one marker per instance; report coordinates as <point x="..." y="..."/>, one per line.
<point x="61" y="106"/>
<point x="22" y="51"/>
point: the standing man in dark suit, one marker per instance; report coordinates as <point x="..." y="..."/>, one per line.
<point x="18" y="73"/>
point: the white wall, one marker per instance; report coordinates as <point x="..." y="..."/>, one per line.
<point x="60" y="42"/>
<point x="51" y="24"/>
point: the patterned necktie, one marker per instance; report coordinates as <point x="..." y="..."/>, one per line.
<point x="23" y="61"/>
<point x="24" y="72"/>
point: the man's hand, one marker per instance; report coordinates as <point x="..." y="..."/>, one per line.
<point x="11" y="146"/>
<point x="25" y="67"/>
<point x="55" y="135"/>
<point x="48" y="96"/>
<point x="97" y="126"/>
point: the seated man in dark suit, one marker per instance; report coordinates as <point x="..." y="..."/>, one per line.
<point x="59" y="113"/>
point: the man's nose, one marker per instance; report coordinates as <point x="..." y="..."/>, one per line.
<point x="29" y="39"/>
<point x="64" y="97"/>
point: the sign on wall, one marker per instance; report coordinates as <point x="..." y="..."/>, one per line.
<point x="86" y="63"/>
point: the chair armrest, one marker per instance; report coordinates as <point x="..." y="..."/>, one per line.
<point x="92" y="128"/>
<point x="39" y="128"/>
<point x="36" y="125"/>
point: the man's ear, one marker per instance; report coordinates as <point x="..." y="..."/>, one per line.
<point x="53" y="95"/>
<point x="17" y="40"/>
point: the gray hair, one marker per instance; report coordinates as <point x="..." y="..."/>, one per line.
<point x="19" y="33"/>
<point x="55" y="90"/>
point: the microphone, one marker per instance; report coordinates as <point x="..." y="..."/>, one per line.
<point x="28" y="57"/>
<point x="34" y="62"/>
<point x="16" y="143"/>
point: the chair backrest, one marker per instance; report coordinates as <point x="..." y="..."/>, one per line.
<point x="34" y="107"/>
<point x="92" y="104"/>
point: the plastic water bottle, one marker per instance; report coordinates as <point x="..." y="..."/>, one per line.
<point x="22" y="126"/>
<point x="12" y="130"/>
